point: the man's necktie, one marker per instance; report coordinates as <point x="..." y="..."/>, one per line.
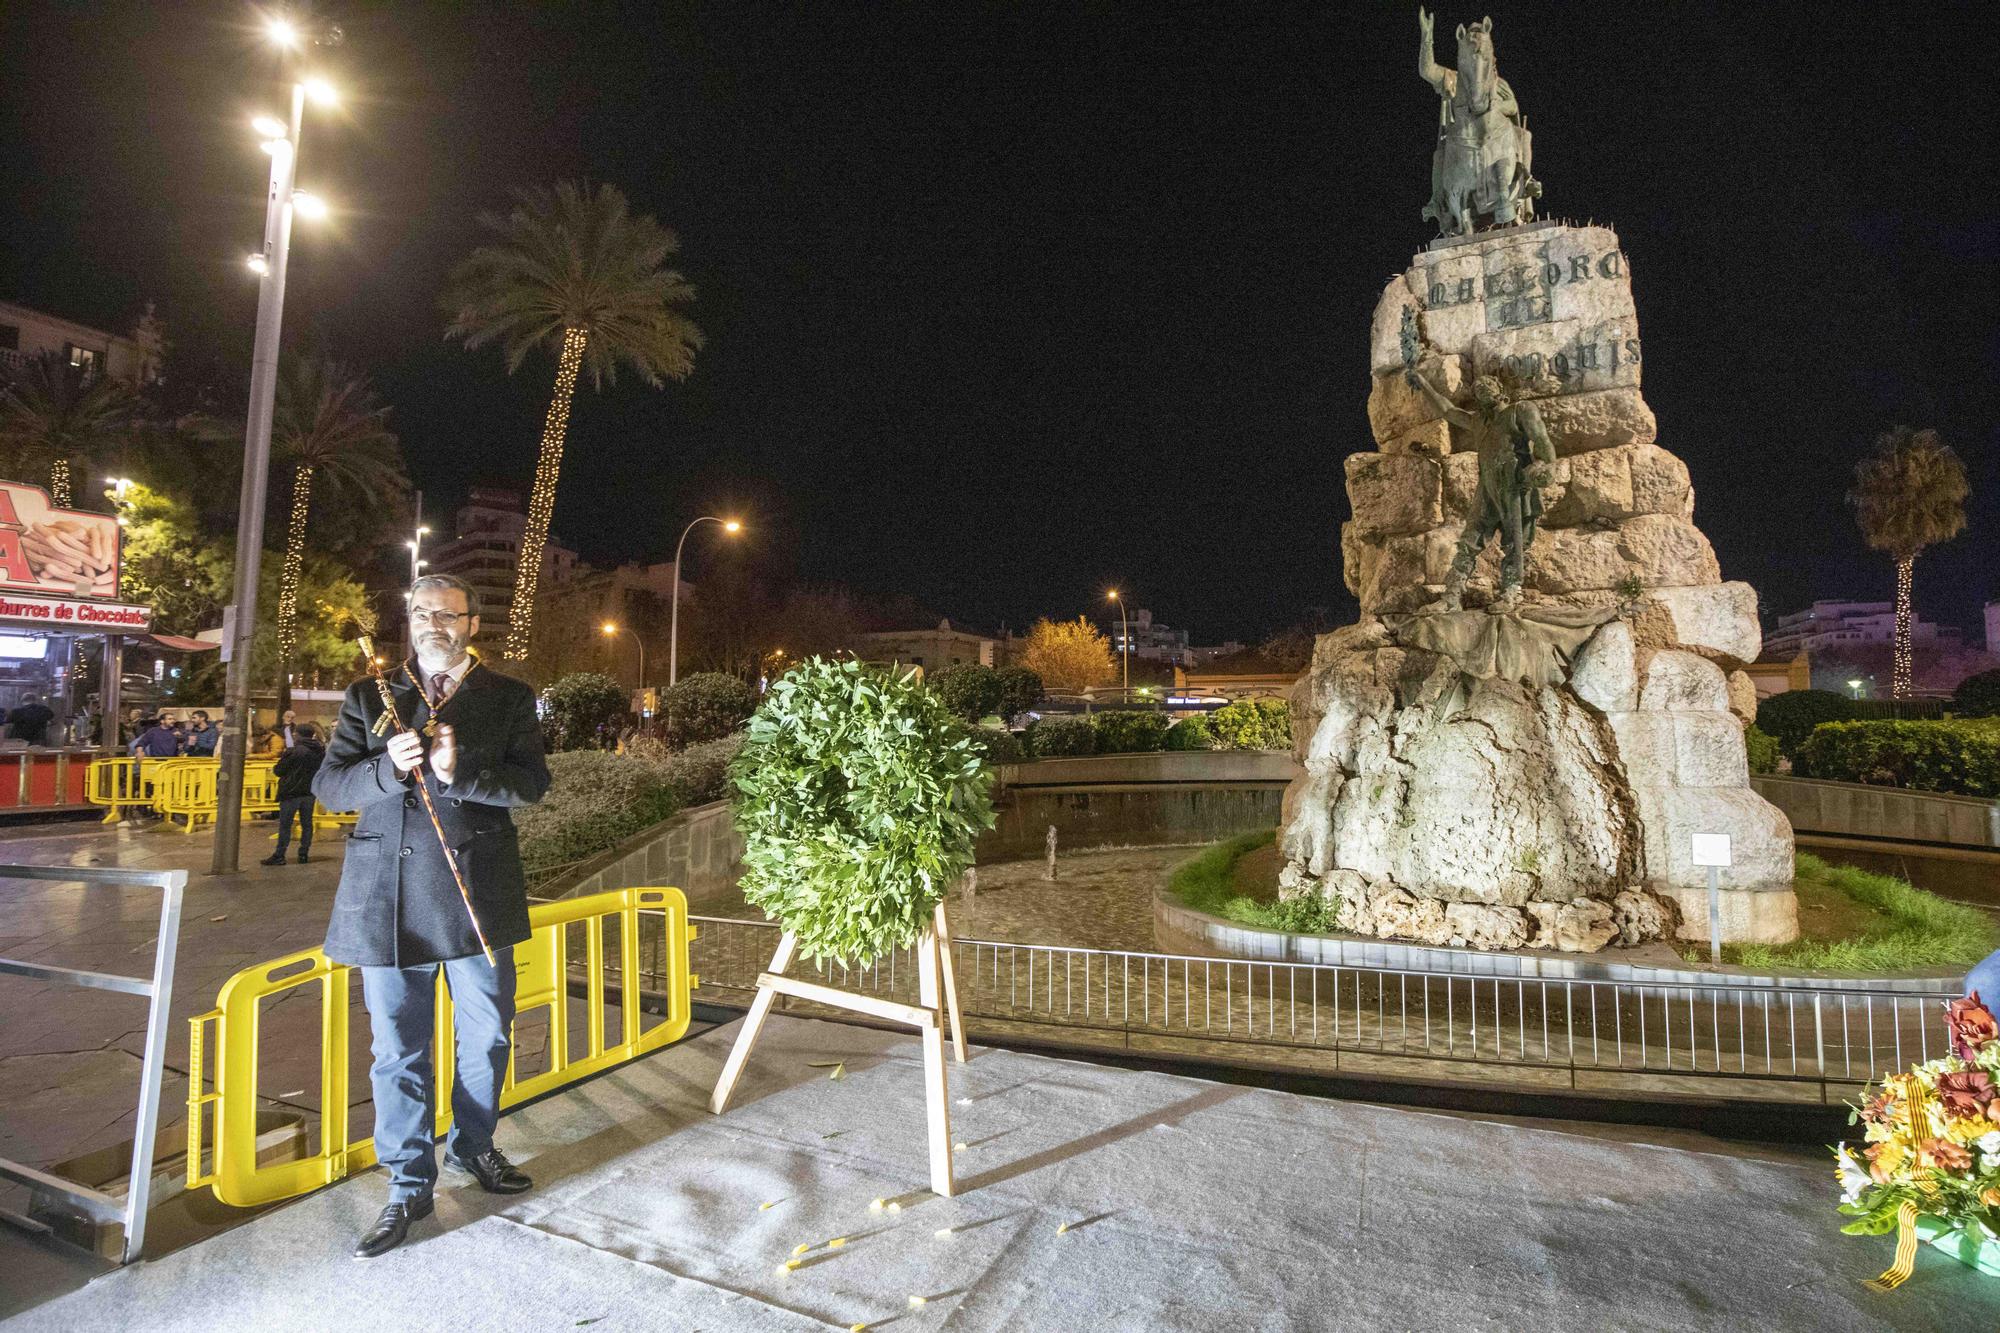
<point x="440" y="688"/>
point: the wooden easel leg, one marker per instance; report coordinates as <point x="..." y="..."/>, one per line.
<point x="937" y="1104"/>
<point x="943" y="929"/>
<point x="753" y="1023"/>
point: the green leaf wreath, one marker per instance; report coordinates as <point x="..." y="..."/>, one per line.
<point x="859" y="796"/>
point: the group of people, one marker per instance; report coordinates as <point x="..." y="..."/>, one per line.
<point x="163" y="737"/>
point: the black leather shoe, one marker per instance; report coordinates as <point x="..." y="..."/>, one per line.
<point x="495" y="1174"/>
<point x="303" y="858"/>
<point x="277" y="860"/>
<point x="392" y="1226"/>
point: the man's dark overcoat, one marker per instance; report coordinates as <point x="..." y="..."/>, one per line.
<point x="397" y="905"/>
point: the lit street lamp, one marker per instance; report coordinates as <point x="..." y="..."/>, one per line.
<point x="1855" y="685"/>
<point x="674" y="623"/>
<point x="1125" y="640"/>
<point x="282" y="201"/>
<point x="613" y="628"/>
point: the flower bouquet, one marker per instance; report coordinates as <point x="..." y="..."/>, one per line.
<point x="1932" y="1152"/>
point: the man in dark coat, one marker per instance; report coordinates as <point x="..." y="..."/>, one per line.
<point x="295" y="770"/>
<point x="476" y="744"/>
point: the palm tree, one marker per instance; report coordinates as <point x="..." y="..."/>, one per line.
<point x="575" y="272"/>
<point x="1909" y="494"/>
<point x="54" y="414"/>
<point x="329" y="428"/>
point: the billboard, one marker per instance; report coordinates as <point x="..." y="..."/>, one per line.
<point x="55" y="552"/>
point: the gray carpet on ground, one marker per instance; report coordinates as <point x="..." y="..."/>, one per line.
<point x="1188" y="1205"/>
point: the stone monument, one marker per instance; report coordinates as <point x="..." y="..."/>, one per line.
<point x="1514" y="746"/>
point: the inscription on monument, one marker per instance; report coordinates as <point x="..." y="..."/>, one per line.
<point x="1522" y="294"/>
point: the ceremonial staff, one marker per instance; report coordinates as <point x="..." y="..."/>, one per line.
<point x="392" y="720"/>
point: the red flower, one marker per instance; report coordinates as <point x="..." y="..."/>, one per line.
<point x="1878" y="1110"/>
<point x="1971" y="1025"/>
<point x="1946" y="1155"/>
<point x="1966" y="1094"/>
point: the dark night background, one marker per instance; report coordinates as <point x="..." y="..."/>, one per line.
<point x="1009" y="303"/>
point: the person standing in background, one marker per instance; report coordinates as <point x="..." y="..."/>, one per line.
<point x="295" y="770"/>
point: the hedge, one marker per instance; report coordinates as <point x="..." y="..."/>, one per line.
<point x="1190" y="733"/>
<point x="1978" y="695"/>
<point x="1762" y="749"/>
<point x="1130" y="732"/>
<point x="1061" y="737"/>
<point x="1252" y="724"/>
<point x="599" y="799"/>
<point x="705" y="707"/>
<point x="1000" y="745"/>
<point x="1958" y="757"/>
<point x="1790" y="717"/>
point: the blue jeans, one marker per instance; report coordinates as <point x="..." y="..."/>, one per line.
<point x="302" y="807"/>
<point x="401" y="1012"/>
<point x="1985" y="978"/>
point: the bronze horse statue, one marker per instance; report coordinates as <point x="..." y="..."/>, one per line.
<point x="1481" y="170"/>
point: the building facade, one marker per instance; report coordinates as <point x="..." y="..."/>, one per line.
<point x="930" y="650"/>
<point x="1150" y="640"/>
<point x="485" y="551"/>
<point x="26" y="334"/>
<point x="1831" y="627"/>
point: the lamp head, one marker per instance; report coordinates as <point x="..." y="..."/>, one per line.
<point x="731" y="525"/>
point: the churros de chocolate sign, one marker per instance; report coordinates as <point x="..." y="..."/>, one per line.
<point x="64" y="552"/>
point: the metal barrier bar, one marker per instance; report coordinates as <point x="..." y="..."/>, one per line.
<point x="227" y="1116"/>
<point x="1720" y="1028"/>
<point x="159" y="990"/>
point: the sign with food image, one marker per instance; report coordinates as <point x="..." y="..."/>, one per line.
<point x="54" y="551"/>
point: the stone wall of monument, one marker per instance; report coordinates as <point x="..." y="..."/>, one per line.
<point x="1555" y="815"/>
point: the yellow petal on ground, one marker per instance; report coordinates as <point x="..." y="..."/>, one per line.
<point x="916" y="1301"/>
<point x="836" y="1242"/>
<point x="876" y="1206"/>
<point x="857" y="1328"/>
<point x="958" y="1147"/>
<point x="784" y="1269"/>
<point x="895" y="1207"/>
<point x="1063" y="1229"/>
<point x="800" y="1249"/>
<point x="791" y="1264"/>
<point x="767" y="1207"/>
<point x="942" y="1232"/>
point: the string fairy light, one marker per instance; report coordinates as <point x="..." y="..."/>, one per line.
<point x="542" y="500"/>
<point x="1903" y="677"/>
<point x="288" y="579"/>
<point x="59" y="483"/>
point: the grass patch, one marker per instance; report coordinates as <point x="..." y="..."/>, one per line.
<point x="1854" y="921"/>
<point x="1233" y="880"/>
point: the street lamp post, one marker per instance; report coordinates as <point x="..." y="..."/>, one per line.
<point x="674" y="621"/>
<point x="1125" y="641"/>
<point x="281" y="202"/>
<point x="612" y="628"/>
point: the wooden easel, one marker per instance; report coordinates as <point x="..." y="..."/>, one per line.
<point x="936" y="1005"/>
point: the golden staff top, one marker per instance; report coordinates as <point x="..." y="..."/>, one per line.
<point x="392" y="720"/>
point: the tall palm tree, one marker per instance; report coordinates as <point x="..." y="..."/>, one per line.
<point x="54" y="415"/>
<point x="328" y="426"/>
<point x="577" y="272"/>
<point x="1908" y="495"/>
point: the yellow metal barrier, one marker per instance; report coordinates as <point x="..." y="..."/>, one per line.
<point x="185" y="789"/>
<point x="543" y="965"/>
<point x="120" y="782"/>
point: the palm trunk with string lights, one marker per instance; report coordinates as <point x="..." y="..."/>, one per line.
<point x="1902" y="679"/>
<point x="542" y="499"/>
<point x="288" y="583"/>
<point x="59" y="483"/>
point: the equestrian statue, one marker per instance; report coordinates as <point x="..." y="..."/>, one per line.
<point x="1481" y="170"/>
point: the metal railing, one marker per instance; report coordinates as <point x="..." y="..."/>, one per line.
<point x="1585" y="1034"/>
<point x="159" y="991"/>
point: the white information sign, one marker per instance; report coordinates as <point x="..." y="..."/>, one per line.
<point x="1711" y="849"/>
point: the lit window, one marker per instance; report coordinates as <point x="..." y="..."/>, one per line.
<point x="83" y="358"/>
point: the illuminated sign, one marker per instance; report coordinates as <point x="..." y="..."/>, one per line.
<point x="59" y="552"/>
<point x="73" y="616"/>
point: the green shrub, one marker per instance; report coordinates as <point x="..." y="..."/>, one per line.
<point x="972" y="691"/>
<point x="1962" y="758"/>
<point x="579" y="709"/>
<point x="1790" y="717"/>
<point x="1190" y="733"/>
<point x="1978" y="695"/>
<point x="1061" y="738"/>
<point x="1762" y="748"/>
<point x="1020" y="690"/>
<point x="1130" y="732"/>
<point x="860" y="798"/>
<point x="705" y="707"/>
<point x="999" y="745"/>
<point x="1922" y="930"/>
<point x="1208" y="884"/>
<point x="597" y="800"/>
<point x="1252" y="724"/>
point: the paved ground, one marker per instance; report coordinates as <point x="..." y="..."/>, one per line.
<point x="1090" y="1198"/>
<point x="69" y="1058"/>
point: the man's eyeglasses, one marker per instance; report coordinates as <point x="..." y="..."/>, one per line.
<point x="441" y="619"/>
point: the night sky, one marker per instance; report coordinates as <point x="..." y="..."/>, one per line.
<point x="1009" y="303"/>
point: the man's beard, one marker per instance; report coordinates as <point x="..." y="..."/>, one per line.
<point x="438" y="654"/>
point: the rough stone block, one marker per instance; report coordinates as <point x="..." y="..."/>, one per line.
<point x="1760" y="837"/>
<point x="1510" y="279"/>
<point x="1590" y="488"/>
<point x="1460" y="473"/>
<point x="1352" y="545"/>
<point x="1565" y="560"/>
<point x="1395" y="408"/>
<point x="1393" y="494"/>
<point x="1433" y="439"/>
<point x="1717" y="620"/>
<point x="1385" y="329"/>
<point x="1607" y="419"/>
<point x="1474" y="926"/>
<point x="1742" y="697"/>
<point x="1667" y="552"/>
<point x="1642" y="916"/>
<point x="1681" y="682"/>
<point x="1708" y="750"/>
<point x="1748" y="916"/>
<point x="1659" y="482"/>
<point x="1570" y="355"/>
<point x="1645" y="747"/>
<point x="1605" y="672"/>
